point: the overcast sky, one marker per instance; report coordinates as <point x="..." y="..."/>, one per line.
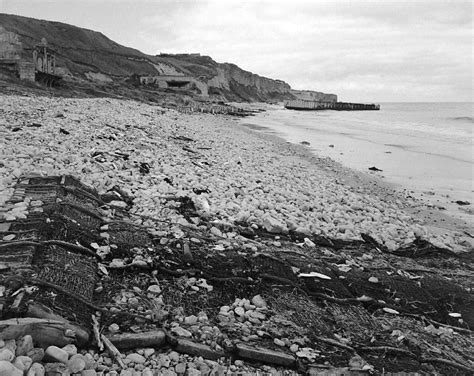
<point x="361" y="50"/>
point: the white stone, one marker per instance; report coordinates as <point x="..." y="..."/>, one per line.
<point x="55" y="354"/>
<point x="258" y="301"/>
<point x="8" y="369"/>
<point x="136" y="358"/>
<point x="36" y="369"/>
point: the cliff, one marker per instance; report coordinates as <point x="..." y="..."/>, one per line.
<point x="316" y="96"/>
<point x="90" y="57"/>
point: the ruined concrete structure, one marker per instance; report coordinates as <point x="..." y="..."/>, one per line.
<point x="10" y="57"/>
<point x="175" y="81"/>
<point x="42" y="68"/>
<point x="44" y="59"/>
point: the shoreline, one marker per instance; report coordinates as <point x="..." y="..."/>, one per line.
<point x="260" y="179"/>
<point x="429" y="215"/>
<point x="434" y="205"/>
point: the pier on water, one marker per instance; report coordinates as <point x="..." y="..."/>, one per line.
<point x="305" y="105"/>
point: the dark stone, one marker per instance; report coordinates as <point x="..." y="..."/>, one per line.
<point x="373" y="168"/>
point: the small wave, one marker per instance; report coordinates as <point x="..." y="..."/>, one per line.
<point x="464" y="118"/>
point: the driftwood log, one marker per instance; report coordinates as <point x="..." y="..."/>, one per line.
<point x="44" y="332"/>
<point x="39" y="311"/>
<point x="155" y="338"/>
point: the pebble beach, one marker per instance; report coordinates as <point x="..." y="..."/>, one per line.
<point x="232" y="173"/>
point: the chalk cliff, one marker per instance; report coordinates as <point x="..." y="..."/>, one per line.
<point x="90" y="56"/>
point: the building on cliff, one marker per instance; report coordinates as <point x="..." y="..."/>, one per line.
<point x="44" y="59"/>
<point x="41" y="68"/>
<point x="175" y="81"/>
<point x="11" y="62"/>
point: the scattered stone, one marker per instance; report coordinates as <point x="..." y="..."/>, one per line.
<point x="190" y="320"/>
<point x="180" y="368"/>
<point x="193" y="372"/>
<point x="23" y="363"/>
<point x="76" y="364"/>
<point x="155" y="289"/>
<point x="279" y="342"/>
<point x="36" y="354"/>
<point x="8" y="369"/>
<point x="294" y="348"/>
<point x="181" y="332"/>
<point x="56" y="369"/>
<point x="70" y="349"/>
<point x="258" y="301"/>
<point x="6" y="354"/>
<point x="24" y="345"/>
<point x="272" y="225"/>
<point x="36" y="369"/>
<point x="56" y="355"/>
<point x="136" y="358"/>
<point x="89" y="372"/>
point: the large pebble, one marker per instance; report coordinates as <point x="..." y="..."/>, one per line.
<point x="6" y="354"/>
<point x="23" y="362"/>
<point x="180" y="368"/>
<point x="56" y="355"/>
<point x="89" y="372"/>
<point x="258" y="301"/>
<point x="36" y="369"/>
<point x="56" y="369"/>
<point x="24" y="345"/>
<point x="76" y="364"/>
<point x="179" y="331"/>
<point x="70" y="349"/>
<point x="36" y="354"/>
<point x="193" y="372"/>
<point x="136" y="358"/>
<point x="8" y="369"/>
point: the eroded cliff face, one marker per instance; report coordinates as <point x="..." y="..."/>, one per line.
<point x="243" y="85"/>
<point x="89" y="55"/>
<point x="316" y="96"/>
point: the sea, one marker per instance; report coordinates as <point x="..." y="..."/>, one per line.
<point x="425" y="148"/>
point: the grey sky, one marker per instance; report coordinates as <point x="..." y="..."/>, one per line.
<point x="361" y="50"/>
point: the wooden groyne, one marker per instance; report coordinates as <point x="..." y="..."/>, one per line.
<point x="303" y="105"/>
<point x="212" y="109"/>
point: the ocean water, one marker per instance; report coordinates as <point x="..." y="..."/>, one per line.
<point x="426" y="148"/>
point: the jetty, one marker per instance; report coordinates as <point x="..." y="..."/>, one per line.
<point x="305" y="105"/>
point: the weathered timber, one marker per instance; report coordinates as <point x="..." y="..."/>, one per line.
<point x="304" y="105"/>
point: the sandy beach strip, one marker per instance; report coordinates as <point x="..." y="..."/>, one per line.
<point x="231" y="172"/>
